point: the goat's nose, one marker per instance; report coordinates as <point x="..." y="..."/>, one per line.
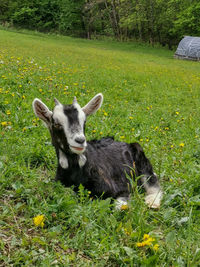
<point x="80" y="140"/>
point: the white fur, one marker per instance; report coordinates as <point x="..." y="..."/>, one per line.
<point x="153" y="198"/>
<point x="63" y="160"/>
<point x="82" y="160"/>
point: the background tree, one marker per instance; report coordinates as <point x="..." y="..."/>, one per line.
<point x="153" y="21"/>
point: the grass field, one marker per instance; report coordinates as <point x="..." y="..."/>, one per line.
<point x="149" y="98"/>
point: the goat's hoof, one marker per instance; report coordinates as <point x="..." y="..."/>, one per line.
<point x="152" y="201"/>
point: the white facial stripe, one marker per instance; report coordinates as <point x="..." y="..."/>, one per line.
<point x="81" y="114"/>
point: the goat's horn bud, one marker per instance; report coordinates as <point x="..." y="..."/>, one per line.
<point x="56" y="101"/>
<point x="75" y="100"/>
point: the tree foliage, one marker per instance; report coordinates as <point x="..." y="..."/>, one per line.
<point x="153" y="21"/>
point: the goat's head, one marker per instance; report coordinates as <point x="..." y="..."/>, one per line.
<point x="66" y="122"/>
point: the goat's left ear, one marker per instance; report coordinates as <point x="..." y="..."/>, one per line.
<point x="42" y="111"/>
<point x="93" y="105"/>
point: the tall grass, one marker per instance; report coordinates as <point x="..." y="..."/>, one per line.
<point x="150" y="98"/>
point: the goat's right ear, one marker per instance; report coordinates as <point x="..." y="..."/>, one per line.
<point x="42" y="111"/>
<point x="93" y="105"/>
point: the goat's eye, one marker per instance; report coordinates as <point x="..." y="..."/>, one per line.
<point x="58" y="126"/>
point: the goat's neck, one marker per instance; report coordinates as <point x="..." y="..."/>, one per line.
<point x="68" y="159"/>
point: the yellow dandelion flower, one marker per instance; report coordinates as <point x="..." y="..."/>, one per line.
<point x="4" y="123"/>
<point x="146" y="236"/>
<point x="39" y="220"/>
<point x="94" y="131"/>
<point x="140" y="244"/>
<point x="105" y="114"/>
<point x="8" y="112"/>
<point x="23" y="97"/>
<point x="127" y="232"/>
<point x="156" y="247"/>
<point x="177" y="113"/>
<point x="124" y="207"/>
<point x="130" y="117"/>
<point x="181" y="145"/>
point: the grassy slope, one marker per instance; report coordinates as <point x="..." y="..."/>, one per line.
<point x="149" y="98"/>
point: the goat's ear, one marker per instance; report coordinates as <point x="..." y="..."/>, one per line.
<point x="93" y="105"/>
<point x="42" y="111"/>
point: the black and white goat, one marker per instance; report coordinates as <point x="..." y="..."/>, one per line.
<point x="99" y="165"/>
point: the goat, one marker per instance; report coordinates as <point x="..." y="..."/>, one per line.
<point x="101" y="166"/>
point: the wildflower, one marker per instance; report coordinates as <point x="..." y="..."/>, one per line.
<point x="146" y="236"/>
<point x="177" y="113"/>
<point x="23" y="97"/>
<point x="4" y="123"/>
<point x="8" y="112"/>
<point x="94" y="131"/>
<point x="105" y="114"/>
<point x="122" y="137"/>
<point x="181" y="145"/>
<point x="147" y="241"/>
<point x="126" y="231"/>
<point x="140" y="244"/>
<point x="130" y="117"/>
<point x="39" y="220"/>
<point x="124" y="207"/>
<point x="156" y="247"/>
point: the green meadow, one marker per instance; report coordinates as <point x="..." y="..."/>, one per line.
<point x="150" y="98"/>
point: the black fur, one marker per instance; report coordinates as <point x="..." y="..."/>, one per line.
<point x="108" y="163"/>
